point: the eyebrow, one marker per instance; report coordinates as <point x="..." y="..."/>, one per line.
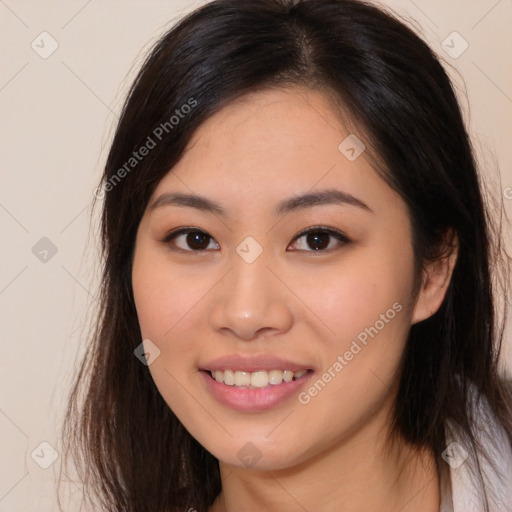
<point x="294" y="203"/>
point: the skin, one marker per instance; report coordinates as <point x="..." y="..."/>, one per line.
<point x="292" y="301"/>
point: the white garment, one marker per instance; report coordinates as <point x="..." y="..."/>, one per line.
<point x="463" y="493"/>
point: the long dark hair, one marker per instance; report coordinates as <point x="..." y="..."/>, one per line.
<point x="131" y="450"/>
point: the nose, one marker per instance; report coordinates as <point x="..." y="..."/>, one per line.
<point x="251" y="301"/>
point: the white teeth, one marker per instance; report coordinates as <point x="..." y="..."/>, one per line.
<point x="229" y="378"/>
<point x="259" y="379"/>
<point x="242" y="378"/>
<point x="275" y="376"/>
<point x="287" y="376"/>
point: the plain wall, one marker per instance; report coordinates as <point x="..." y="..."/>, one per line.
<point x="57" y="117"/>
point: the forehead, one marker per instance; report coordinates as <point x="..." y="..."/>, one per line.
<point x="269" y="145"/>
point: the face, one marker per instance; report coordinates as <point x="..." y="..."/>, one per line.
<point x="299" y="307"/>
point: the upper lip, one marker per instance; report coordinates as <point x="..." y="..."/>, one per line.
<point x="253" y="363"/>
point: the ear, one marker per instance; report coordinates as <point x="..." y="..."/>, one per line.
<point x="436" y="279"/>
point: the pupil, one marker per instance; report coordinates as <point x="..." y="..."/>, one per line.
<point x="194" y="240"/>
<point x="315" y="239"/>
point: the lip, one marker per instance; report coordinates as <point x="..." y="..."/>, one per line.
<point x="253" y="399"/>
<point x="253" y="364"/>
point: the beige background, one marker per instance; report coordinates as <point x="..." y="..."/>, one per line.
<point x="57" y="117"/>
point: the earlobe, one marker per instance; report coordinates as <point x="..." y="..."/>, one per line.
<point x="436" y="279"/>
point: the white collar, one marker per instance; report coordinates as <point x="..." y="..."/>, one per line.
<point x="463" y="493"/>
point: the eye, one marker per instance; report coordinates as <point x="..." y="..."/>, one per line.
<point x="196" y="239"/>
<point x="319" y="237"/>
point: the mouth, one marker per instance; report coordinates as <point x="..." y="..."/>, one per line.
<point x="257" y="379"/>
<point x="253" y="383"/>
<point x="256" y="391"/>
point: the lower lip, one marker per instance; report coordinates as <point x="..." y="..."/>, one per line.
<point x="253" y="399"/>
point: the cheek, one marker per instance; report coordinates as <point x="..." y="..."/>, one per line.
<point x="164" y="300"/>
<point x="353" y="295"/>
<point x="366" y="309"/>
<point x="163" y="296"/>
<point x="172" y="309"/>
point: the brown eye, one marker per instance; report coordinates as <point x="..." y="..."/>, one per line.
<point x="190" y="240"/>
<point x="319" y="239"/>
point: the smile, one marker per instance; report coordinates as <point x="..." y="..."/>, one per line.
<point x="258" y="379"/>
<point x="257" y="391"/>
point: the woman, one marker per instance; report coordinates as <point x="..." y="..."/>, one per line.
<point x="298" y="309"/>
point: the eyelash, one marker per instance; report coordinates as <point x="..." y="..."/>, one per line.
<point x="315" y="229"/>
